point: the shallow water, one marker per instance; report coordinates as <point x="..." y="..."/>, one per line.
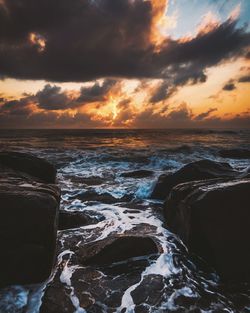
<point x="93" y="160"/>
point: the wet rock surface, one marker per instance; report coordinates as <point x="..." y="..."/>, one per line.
<point x="38" y="168"/>
<point x="118" y="249"/>
<point x="199" y="170"/>
<point x="98" y="272"/>
<point x="28" y="221"/>
<point x="87" y="276"/>
<point x="76" y="219"/>
<point x="89" y="279"/>
<point x="213" y="218"/>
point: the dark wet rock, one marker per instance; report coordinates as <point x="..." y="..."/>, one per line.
<point x="105" y="197"/>
<point x="28" y="225"/>
<point x="213" y="218"/>
<point x="27" y="163"/>
<point x="142" y="294"/>
<point x="118" y="248"/>
<point x="235" y="153"/>
<point x="138" y="174"/>
<point x="101" y="269"/>
<point x="57" y="300"/>
<point x="75" y="219"/>
<point x="204" y="169"/>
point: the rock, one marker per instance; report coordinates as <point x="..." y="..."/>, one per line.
<point x="105" y="197"/>
<point x="28" y="224"/>
<point x="138" y="174"/>
<point x="100" y="270"/>
<point x="57" y="297"/>
<point x="235" y="153"/>
<point x="27" y="163"/>
<point x="142" y="294"/>
<point x="213" y="218"/>
<point x="203" y="169"/>
<point x="75" y="219"/>
<point x="118" y="248"/>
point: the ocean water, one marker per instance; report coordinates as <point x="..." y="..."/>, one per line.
<point x="94" y="160"/>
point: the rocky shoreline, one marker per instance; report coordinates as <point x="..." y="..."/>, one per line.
<point x="29" y="202"/>
<point x="99" y="269"/>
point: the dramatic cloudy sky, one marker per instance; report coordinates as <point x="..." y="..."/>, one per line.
<point x="124" y="63"/>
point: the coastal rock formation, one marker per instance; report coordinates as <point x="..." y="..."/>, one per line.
<point x="199" y="170"/>
<point x="38" y="168"/>
<point x="75" y="219"/>
<point x="235" y="153"/>
<point x="94" y="274"/>
<point x="28" y="218"/>
<point x="213" y="218"/>
<point x="120" y="248"/>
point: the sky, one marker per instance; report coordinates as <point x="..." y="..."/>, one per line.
<point x="125" y="64"/>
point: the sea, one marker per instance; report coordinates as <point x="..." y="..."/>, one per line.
<point x="94" y="161"/>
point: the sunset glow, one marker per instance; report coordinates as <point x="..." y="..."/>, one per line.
<point x="158" y="67"/>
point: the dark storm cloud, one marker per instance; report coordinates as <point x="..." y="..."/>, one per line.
<point x="52" y="98"/>
<point x="16" y="107"/>
<point x="245" y="79"/>
<point x="161" y="93"/>
<point x="97" y="92"/>
<point x="86" y="40"/>
<point x="229" y="87"/>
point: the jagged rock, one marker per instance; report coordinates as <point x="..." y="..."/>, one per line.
<point x="235" y="153"/>
<point x="28" y="221"/>
<point x="118" y="248"/>
<point x="75" y="219"/>
<point x="213" y="218"/>
<point x="203" y="169"/>
<point x="27" y="163"/>
<point x="99" y="270"/>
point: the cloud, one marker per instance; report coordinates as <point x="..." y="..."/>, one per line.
<point x="97" y="92"/>
<point x="229" y="87"/>
<point x="16" y="107"/>
<point x="204" y="115"/>
<point x="86" y="40"/>
<point x="244" y="79"/>
<point x="161" y="93"/>
<point x="52" y="98"/>
<point x="182" y="113"/>
<point x="182" y="117"/>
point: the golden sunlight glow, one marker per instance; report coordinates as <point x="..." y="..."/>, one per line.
<point x="123" y="101"/>
<point x="209" y="94"/>
<point x="159" y="18"/>
<point x="38" y="40"/>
